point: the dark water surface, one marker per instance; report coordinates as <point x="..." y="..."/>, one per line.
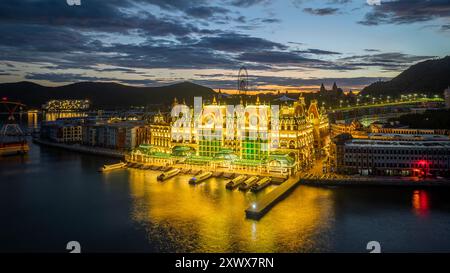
<point x="52" y="196"/>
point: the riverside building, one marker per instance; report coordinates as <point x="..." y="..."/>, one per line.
<point x="256" y="136"/>
<point x="420" y="154"/>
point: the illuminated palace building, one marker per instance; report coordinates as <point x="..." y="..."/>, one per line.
<point x="255" y="137"/>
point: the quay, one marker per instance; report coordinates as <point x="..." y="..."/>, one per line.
<point x="82" y="149"/>
<point x="378" y="181"/>
<point x="266" y="202"/>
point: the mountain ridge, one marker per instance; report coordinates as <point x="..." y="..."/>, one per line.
<point x="102" y="94"/>
<point x="429" y="77"/>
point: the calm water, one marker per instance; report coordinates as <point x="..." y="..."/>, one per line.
<point x="51" y="197"/>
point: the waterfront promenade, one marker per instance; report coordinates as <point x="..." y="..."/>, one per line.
<point x="377" y="181"/>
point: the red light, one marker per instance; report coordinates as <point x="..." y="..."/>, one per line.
<point x="423" y="162"/>
<point x="421" y="202"/>
<point x="4" y="98"/>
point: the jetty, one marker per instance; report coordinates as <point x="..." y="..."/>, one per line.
<point x="259" y="208"/>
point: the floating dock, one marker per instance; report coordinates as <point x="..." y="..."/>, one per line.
<point x="266" y="202"/>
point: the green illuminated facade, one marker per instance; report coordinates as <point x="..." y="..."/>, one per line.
<point x="285" y="146"/>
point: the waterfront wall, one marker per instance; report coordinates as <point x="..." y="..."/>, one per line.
<point x="82" y="149"/>
<point x="376" y="181"/>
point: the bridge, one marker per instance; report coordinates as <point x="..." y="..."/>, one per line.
<point x="388" y="109"/>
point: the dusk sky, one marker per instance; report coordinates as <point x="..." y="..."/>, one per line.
<point x="285" y="44"/>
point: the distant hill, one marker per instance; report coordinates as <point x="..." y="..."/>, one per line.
<point x="429" y="77"/>
<point x="103" y="94"/>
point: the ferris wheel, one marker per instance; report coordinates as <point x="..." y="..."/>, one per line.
<point x="11" y="128"/>
<point x="242" y="84"/>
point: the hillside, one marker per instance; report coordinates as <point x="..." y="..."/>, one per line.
<point x="430" y="77"/>
<point x="102" y="94"/>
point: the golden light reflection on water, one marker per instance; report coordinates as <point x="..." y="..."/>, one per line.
<point x="208" y="218"/>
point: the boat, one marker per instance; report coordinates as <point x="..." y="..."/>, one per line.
<point x="247" y="184"/>
<point x="14" y="148"/>
<point x="235" y="182"/>
<point x="261" y="184"/>
<point x="168" y="174"/>
<point x="110" y="167"/>
<point x="200" y="177"/>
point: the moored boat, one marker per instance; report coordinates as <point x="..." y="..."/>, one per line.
<point x="261" y="184"/>
<point x="200" y="177"/>
<point x="248" y="183"/>
<point x="168" y="174"/>
<point x="235" y="182"/>
<point x="110" y="167"/>
<point x="14" y="148"/>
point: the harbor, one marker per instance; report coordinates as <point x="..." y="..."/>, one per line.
<point x="170" y="216"/>
<point x="235" y="181"/>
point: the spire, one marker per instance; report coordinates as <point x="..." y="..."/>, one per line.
<point x="322" y="88"/>
<point x="335" y="87"/>
<point x="257" y="100"/>
<point x="175" y="101"/>
<point x="214" y="101"/>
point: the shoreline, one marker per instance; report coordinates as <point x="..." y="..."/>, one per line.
<point x="378" y="181"/>
<point x="348" y="182"/>
<point x="82" y="149"/>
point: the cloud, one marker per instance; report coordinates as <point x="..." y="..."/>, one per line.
<point x="299" y="3"/>
<point x="276" y="57"/>
<point x="371" y="50"/>
<point x="101" y="16"/>
<point x="321" y="11"/>
<point x="248" y="3"/>
<point x="318" y="52"/>
<point x="270" y="20"/>
<point x="406" y="12"/>
<point x="233" y="42"/>
<point x="445" y="27"/>
<point x="73" y="77"/>
<point x="391" y="61"/>
<point x="128" y="36"/>
<point x="206" y="12"/>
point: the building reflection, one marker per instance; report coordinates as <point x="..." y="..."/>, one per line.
<point x="209" y="218"/>
<point x="32" y="119"/>
<point x="421" y="202"/>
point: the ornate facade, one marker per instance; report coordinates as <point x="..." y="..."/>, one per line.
<point x="252" y="135"/>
